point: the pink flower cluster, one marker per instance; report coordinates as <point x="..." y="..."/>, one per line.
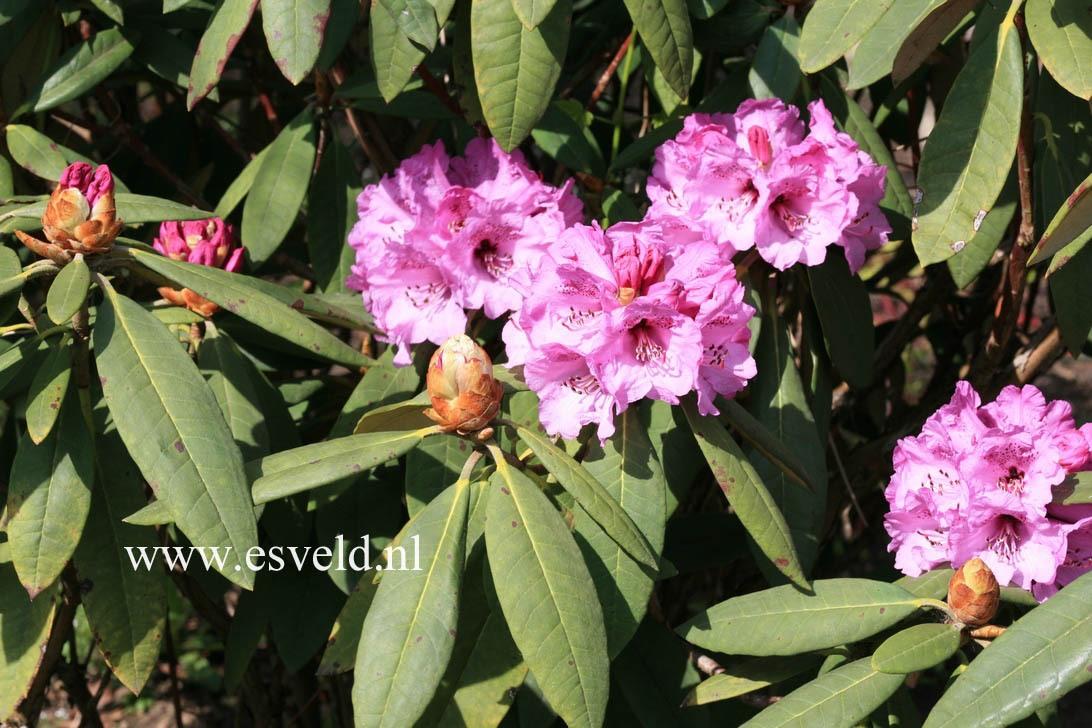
<point x="446" y="234"/>
<point x="204" y="242"/>
<point x="753" y="178"/>
<point x="636" y="311"/>
<point x="980" y="481"/>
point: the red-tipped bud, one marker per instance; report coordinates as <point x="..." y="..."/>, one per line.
<point x="464" y="394"/>
<point x="80" y="216"/>
<point x="973" y="593"/>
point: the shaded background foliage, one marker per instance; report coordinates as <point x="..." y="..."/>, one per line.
<point x="276" y="114"/>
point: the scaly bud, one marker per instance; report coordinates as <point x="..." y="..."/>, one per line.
<point x="204" y="242"/>
<point x="464" y="394"/>
<point x="973" y="593"/>
<point x="80" y="216"/>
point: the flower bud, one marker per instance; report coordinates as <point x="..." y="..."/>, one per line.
<point x="209" y="242"/>
<point x="80" y="215"/>
<point x="973" y="593"/>
<point x="464" y="394"/>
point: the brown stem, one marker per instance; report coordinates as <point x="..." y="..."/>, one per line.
<point x="172" y="667"/>
<point x="609" y="72"/>
<point x="439" y="91"/>
<point x="338" y="75"/>
<point x="31" y="706"/>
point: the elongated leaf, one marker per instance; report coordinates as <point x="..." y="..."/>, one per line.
<point x="68" y="291"/>
<point x="1042" y="656"/>
<point x="875" y="55"/>
<point x="416" y="19"/>
<point x="310" y="466"/>
<point x="394" y="54"/>
<point x="1071" y="294"/>
<point x="746" y="492"/>
<point x="779" y="402"/>
<point x="516" y="68"/>
<point x="969" y="152"/>
<point x="762" y="439"/>
<point x="380" y="386"/>
<point x="845" y="313"/>
<point x="48" y="499"/>
<point x="126" y="606"/>
<point x="1061" y="31"/>
<point x="973" y="259"/>
<point x="917" y="648"/>
<point x="786" y="621"/>
<point x="24" y="631"/>
<point x="834" y="26"/>
<point x="746" y="677"/>
<point x="492" y="673"/>
<point x="173" y="428"/>
<point x="279" y="188"/>
<point x="404" y="416"/>
<point x="342" y="645"/>
<point x="234" y="383"/>
<point x="548" y="598"/>
<point x="840" y="697"/>
<point x="409" y="631"/>
<point x="225" y="28"/>
<point x="927" y="34"/>
<point x="664" y="28"/>
<point x="591" y="495"/>
<point x="167" y="55"/>
<point x="331" y="214"/>
<point x="11" y="276"/>
<point x="533" y="12"/>
<point x="153" y="514"/>
<point x="81" y="68"/>
<point x="775" y="71"/>
<point x="436" y="461"/>
<point x="630" y="473"/>
<point x="237" y="294"/>
<point x="294" y="30"/>
<point x="238" y="188"/>
<point x="1072" y="223"/>
<point x="34" y="151"/>
<point x="111" y="9"/>
<point x="932" y="584"/>
<point x="47" y="391"/>
<point x="135" y="209"/>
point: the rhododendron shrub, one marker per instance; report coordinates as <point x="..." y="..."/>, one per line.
<point x="502" y="363"/>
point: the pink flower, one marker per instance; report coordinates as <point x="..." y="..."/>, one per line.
<point x="752" y="179"/>
<point x="442" y="235"/>
<point x="209" y="242"/>
<point x="570" y="396"/>
<point x="978" y="482"/>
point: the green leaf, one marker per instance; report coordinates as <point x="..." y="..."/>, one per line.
<point x="11" y="277"/>
<point x="787" y="621"/>
<point x="1061" y="31"/>
<point x="1070" y="227"/>
<point x="24" y="632"/>
<point x="969" y="152"/>
<point x="402" y="416"/>
<point x="133" y="209"/>
<point x="746" y="492"/>
<point x="241" y="296"/>
<point x="482" y="696"/>
<point x="568" y="140"/>
<point x="234" y="382"/>
<point x="340" y="27"/>
<point x="932" y="584"/>
<point x="173" y="428"/>
<point x="81" y="68"/>
<point x="238" y="188"/>
<point x="631" y="475"/>
<point x="596" y="500"/>
<point x="34" y="151"/>
<point x="48" y="499"/>
<point x="779" y="402"/>
<point x="380" y="386"/>
<point x="917" y="648"/>
<point x="548" y="598"/>
<point x="1041" y="657"/>
<point x="152" y="514"/>
<point x="300" y="626"/>
<point x="341" y="648"/>
<point x="47" y="392"/>
<point x="416" y="20"/>
<point x="167" y="55"/>
<point x="1075" y="489"/>
<point x="112" y="10"/>
<point x="845" y="313"/>
<point x="430" y="465"/>
<point x="409" y="631"/>
<point x="775" y="71"/>
<point x="126" y="607"/>
<point x="840" y="697"/>
<point x="331" y="214"/>
<point x="293" y="31"/>
<point x="973" y="259"/>
<point x="746" y="677"/>
<point x="68" y="291"/>
<point x="927" y="35"/>
<point x="515" y="67"/>
<point x="223" y="33"/>
<point x="248" y="625"/>
<point x="8" y="12"/>
<point x="279" y="188"/>
<point x="532" y="12"/>
<point x="834" y="26"/>
<point x="1071" y="294"/>
<point x="664" y="28"/>
<point x="876" y="52"/>
<point x="704" y="9"/>
<point x="394" y="55"/>
<point x="302" y="468"/>
<point x="762" y="439"/>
